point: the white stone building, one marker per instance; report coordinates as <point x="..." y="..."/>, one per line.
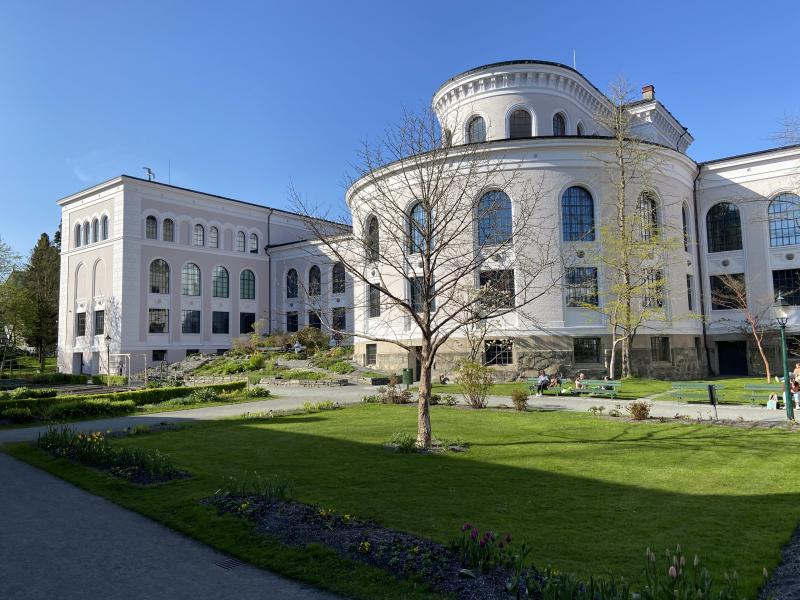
<point x="145" y="264"/>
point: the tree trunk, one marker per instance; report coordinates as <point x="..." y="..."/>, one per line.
<point x="423" y="409"/>
<point x="761" y="353"/>
<point x="625" y="370"/>
<point x="613" y="359"/>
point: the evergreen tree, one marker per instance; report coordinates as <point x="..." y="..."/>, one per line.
<point x="40" y="282"/>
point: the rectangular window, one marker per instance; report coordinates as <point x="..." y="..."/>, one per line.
<point x="659" y="349"/>
<point x="159" y="320"/>
<point x="586" y="350"/>
<point x="80" y="324"/>
<point x="787" y="282"/>
<point x="653" y="293"/>
<point x="417" y="293"/>
<point x="99" y="322"/>
<point x="190" y="321"/>
<point x="314" y="319"/>
<point x="689" y="292"/>
<point x="159" y="356"/>
<point x="499" y="352"/>
<point x="246" y="321"/>
<point x="497" y="289"/>
<point x="219" y="322"/>
<point x="372" y="354"/>
<point x="374" y="300"/>
<point x="292" y="322"/>
<point x="581" y="286"/>
<point x="339" y="318"/>
<point x="728" y="292"/>
<point x="192" y="352"/>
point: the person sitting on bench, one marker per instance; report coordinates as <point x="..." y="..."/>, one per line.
<point x="542" y="382"/>
<point x="579" y="381"/>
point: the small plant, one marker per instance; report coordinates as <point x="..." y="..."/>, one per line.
<point x="257" y="392"/>
<point x="403" y="442"/>
<point x="520" y="399"/>
<point x="319" y="406"/>
<point x="373" y="399"/>
<point x="475" y="380"/>
<point x="482" y="552"/>
<point x="342" y="367"/>
<point x="435" y="400"/>
<point x="449" y="399"/>
<point x="639" y="410"/>
<point x="203" y="395"/>
<point x="17" y="415"/>
<point x="140" y="429"/>
<point x="364" y="547"/>
<point x="253" y="486"/>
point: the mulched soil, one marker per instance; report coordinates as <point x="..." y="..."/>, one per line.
<point x="784" y="581"/>
<point x="401" y="554"/>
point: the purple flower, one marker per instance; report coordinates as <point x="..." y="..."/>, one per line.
<point x="482" y="543"/>
<point x="474" y="534"/>
<point x="466" y="526"/>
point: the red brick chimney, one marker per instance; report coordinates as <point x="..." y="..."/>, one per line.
<point x="648" y="92"/>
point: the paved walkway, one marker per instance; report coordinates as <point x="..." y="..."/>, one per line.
<point x="57" y="541"/>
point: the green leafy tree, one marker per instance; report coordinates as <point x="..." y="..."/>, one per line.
<point x="40" y="282"/>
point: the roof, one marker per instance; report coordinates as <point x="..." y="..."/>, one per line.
<point x="747" y="154"/>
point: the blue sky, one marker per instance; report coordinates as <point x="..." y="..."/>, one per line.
<point x="245" y="97"/>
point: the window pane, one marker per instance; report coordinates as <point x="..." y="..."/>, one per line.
<point x="653" y="293"/>
<point x="520" y="124"/>
<point x="660" y="350"/>
<point x="246" y="321"/>
<point x="292" y="322"/>
<point x="314" y="281"/>
<point x="476" y="131"/>
<point x="159" y="320"/>
<point x="338" y="279"/>
<point x="373" y="239"/>
<point x="169" y="230"/>
<point x="151" y="228"/>
<point x="190" y="280"/>
<point x="499" y="352"/>
<point x="497" y="289"/>
<point x="581" y="286"/>
<point x="418" y="293"/>
<point x="219" y="283"/>
<point x="199" y="235"/>
<point x="159" y="277"/>
<point x="724" y="228"/>
<point x="417" y="228"/>
<point x="577" y="215"/>
<point x="648" y="216"/>
<point x="727" y="293"/>
<point x="586" y="350"/>
<point x="99" y="322"/>
<point x="213" y="237"/>
<point x="494" y="219"/>
<point x="689" y="292"/>
<point x="374" y="302"/>
<point x="253" y="243"/>
<point x="291" y="284"/>
<point x="559" y="125"/>
<point x="219" y="322"/>
<point x="240" y="241"/>
<point x="247" y="285"/>
<point x="339" y="318"/>
<point x="190" y="321"/>
<point x="80" y="324"/>
<point x="314" y="319"/>
<point x="784" y="212"/>
<point x="372" y="354"/>
<point x="787" y="282"/>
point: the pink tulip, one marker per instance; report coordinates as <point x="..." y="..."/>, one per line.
<point x="672" y="572"/>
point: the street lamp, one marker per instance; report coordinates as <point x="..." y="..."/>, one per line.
<point x="782" y="317"/>
<point x="108" y="359"/>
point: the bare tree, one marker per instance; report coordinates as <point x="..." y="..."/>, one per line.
<point x="634" y="244"/>
<point x="437" y="246"/>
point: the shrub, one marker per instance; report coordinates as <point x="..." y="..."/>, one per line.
<point x="435" y="399"/>
<point x="109" y="380"/>
<point x="639" y="410"/>
<point x="257" y="392"/>
<point x="474" y="380"/>
<point x="278" y="339"/>
<point x="256" y="362"/>
<point x="24" y="392"/>
<point x="520" y="399"/>
<point x="318" y="406"/>
<point x="17" y="415"/>
<point x="373" y="399"/>
<point x="203" y="395"/>
<point x="481" y="552"/>
<point x="342" y="367"/>
<point x="87" y="408"/>
<point x="302" y="375"/>
<point x="54" y="378"/>
<point x="403" y="442"/>
<point x="449" y="399"/>
<point x="391" y="394"/>
<point x="313" y="339"/>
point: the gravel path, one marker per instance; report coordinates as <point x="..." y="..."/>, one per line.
<point x="784" y="581"/>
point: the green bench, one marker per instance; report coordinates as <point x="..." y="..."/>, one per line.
<point x="606" y="388"/>
<point x="764" y="388"/>
<point x="694" y="391"/>
<point x="533" y="383"/>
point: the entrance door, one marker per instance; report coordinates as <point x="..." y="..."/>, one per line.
<point x="732" y="358"/>
<point x="77" y="363"/>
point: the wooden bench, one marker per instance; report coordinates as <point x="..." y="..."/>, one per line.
<point x="606" y="388"/>
<point x="764" y="388"/>
<point x="694" y="391"/>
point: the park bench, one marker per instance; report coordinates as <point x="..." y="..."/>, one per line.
<point x="764" y="388"/>
<point x="606" y="388"/>
<point x="533" y="382"/>
<point x="697" y="391"/>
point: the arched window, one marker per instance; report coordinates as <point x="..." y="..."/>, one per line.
<point x="417" y="228"/>
<point x="579" y="129"/>
<point x="104" y="227"/>
<point x="724" y="228"/>
<point x="338" y="281"/>
<point x="476" y="130"/>
<point x="494" y="218"/>
<point x="77" y="235"/>
<point x="220" y="285"/>
<point x="577" y="215"/>
<point x="190" y="280"/>
<point x="253" y="243"/>
<point x="373" y="239"/>
<point x="559" y="124"/>
<point x="240" y="239"/>
<point x="213" y="237"/>
<point x="95" y="231"/>
<point x="199" y="235"/>
<point x="291" y="284"/>
<point x="685" y="217"/>
<point x="86" y="233"/>
<point x="647" y="210"/>
<point x="151" y="228"/>
<point x="247" y="285"/>
<point x="314" y="281"/>
<point x="520" y="124"/>
<point x="168" y="231"/>
<point x="783" y="213"/>
<point x="159" y="277"/>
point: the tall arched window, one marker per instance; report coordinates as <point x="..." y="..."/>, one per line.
<point x="159" y="277"/>
<point x="168" y="230"/>
<point x="314" y="281"/>
<point x="685" y="217"/>
<point x="151" y="228"/>
<point x="494" y="218"/>
<point x="220" y="285"/>
<point x="213" y="237"/>
<point x="291" y="284"/>
<point x="724" y="228"/>
<point x="253" y="243"/>
<point x="337" y="279"/>
<point x="373" y="240"/>
<point x="559" y="124"/>
<point x="476" y="130"/>
<point x="86" y="233"/>
<point x="520" y="124"/>
<point x="77" y="235"/>
<point x="784" y="213"/>
<point x="577" y="215"/>
<point x="190" y="280"/>
<point x="95" y="231"/>
<point x="579" y="129"/>
<point x="417" y="228"/>
<point x="647" y="210"/>
<point x="240" y="240"/>
<point x="199" y="235"/>
<point x="104" y="227"/>
<point x="247" y="285"/>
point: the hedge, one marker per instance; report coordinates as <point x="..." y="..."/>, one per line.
<point x="53" y="378"/>
<point x="109" y="380"/>
<point x="23" y="392"/>
<point x="138" y="397"/>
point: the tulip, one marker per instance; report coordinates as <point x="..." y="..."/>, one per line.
<point x="673" y="573"/>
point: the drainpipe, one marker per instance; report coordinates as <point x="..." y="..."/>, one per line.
<point x="270" y="279"/>
<point x="701" y="287"/>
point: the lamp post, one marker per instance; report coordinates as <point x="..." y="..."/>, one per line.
<point x="108" y="359"/>
<point x="782" y="317"/>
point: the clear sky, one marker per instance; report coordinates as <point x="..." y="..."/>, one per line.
<point x="243" y="98"/>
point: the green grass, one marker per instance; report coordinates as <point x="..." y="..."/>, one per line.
<point x="29" y="365"/>
<point x="588" y="494"/>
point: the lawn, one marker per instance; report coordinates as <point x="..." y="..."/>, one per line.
<point x="29" y="365"/>
<point x="589" y="494"/>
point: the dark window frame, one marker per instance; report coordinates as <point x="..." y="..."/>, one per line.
<point x="581" y="287"/>
<point x="220" y="322"/>
<point x="723" y="228"/>
<point x="660" y="349"/>
<point x="99" y="322"/>
<point x="495" y="226"/>
<point x="498" y="352"/>
<point x="191" y="320"/>
<point x="577" y="215"/>
<point x="587" y="350"/>
<point x="158" y="320"/>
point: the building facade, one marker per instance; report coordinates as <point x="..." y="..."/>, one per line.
<point x="154" y="272"/>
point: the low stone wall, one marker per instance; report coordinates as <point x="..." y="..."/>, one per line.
<point x="271" y="381"/>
